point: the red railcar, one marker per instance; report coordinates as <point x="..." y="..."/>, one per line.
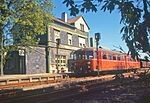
<point x="145" y="64"/>
<point x="85" y="60"/>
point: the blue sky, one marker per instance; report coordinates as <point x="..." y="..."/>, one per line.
<point x="107" y="24"/>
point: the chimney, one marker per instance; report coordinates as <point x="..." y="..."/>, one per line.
<point x="64" y="16"/>
<point x="91" y="42"/>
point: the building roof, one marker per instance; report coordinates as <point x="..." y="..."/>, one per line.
<point x="69" y="21"/>
<point x="61" y="21"/>
<point x="73" y="20"/>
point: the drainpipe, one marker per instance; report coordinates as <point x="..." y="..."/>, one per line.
<point x="48" y="49"/>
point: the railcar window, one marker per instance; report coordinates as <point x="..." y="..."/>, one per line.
<point x="114" y="57"/>
<point x="83" y="55"/>
<point x="122" y="59"/>
<point x="128" y="59"/>
<point x="75" y="56"/>
<point x="110" y="57"/>
<point x="104" y="56"/>
<point x="118" y="57"/>
<point x="80" y="56"/>
<point x="95" y="54"/>
<point x="89" y="55"/>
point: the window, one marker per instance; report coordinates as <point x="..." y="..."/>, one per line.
<point x="122" y="59"/>
<point x="95" y="54"/>
<point x="118" y="57"/>
<point x="82" y="27"/>
<point x="56" y="34"/>
<point x="114" y="57"/>
<point x="110" y="57"/>
<point x="104" y="56"/>
<point x="82" y="42"/>
<point x="128" y="58"/>
<point x="89" y="55"/>
<point x="62" y="60"/>
<point x="74" y="56"/>
<point x="69" y="39"/>
<point x="79" y="55"/>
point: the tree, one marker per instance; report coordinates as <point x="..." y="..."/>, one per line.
<point x="135" y="16"/>
<point x="21" y="21"/>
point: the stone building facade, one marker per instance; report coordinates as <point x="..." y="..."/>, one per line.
<point x="73" y="34"/>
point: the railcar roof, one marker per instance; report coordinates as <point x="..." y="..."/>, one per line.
<point x="101" y="49"/>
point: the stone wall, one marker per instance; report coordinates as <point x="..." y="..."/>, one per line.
<point x="36" y="60"/>
<point x="64" y="37"/>
<point x="75" y="40"/>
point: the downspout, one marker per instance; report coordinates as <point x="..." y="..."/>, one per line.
<point x="48" y="49"/>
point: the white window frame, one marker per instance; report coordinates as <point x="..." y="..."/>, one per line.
<point x="82" y="42"/>
<point x="69" y="39"/>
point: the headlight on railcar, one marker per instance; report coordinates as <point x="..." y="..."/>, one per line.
<point x="88" y="62"/>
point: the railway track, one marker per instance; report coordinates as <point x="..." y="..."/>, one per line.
<point x="70" y="89"/>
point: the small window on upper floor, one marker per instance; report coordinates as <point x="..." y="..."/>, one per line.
<point x="82" y="42"/>
<point x="56" y="34"/>
<point x="82" y="27"/>
<point x="104" y="56"/>
<point x="69" y="39"/>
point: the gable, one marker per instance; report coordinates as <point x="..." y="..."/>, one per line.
<point x="81" y="24"/>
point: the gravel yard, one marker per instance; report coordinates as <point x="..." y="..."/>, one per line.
<point x="136" y="92"/>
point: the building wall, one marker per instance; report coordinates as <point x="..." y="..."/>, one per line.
<point x="75" y="40"/>
<point x="81" y="21"/>
<point x="64" y="37"/>
<point x="36" y="60"/>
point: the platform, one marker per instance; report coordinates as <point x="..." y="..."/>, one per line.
<point x="22" y="78"/>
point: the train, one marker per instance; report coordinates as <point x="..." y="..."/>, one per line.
<point x="85" y="61"/>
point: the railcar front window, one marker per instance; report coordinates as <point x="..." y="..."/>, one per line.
<point x="89" y="55"/>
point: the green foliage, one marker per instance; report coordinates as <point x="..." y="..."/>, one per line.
<point x="135" y="15"/>
<point x="22" y="20"/>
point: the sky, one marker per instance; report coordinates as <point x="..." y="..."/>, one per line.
<point x="103" y="22"/>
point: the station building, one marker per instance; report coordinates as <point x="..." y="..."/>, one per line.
<point x="73" y="34"/>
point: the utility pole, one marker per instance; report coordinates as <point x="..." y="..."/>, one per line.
<point x="97" y="37"/>
<point x="58" y="43"/>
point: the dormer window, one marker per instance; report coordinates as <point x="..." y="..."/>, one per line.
<point x="82" y="27"/>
